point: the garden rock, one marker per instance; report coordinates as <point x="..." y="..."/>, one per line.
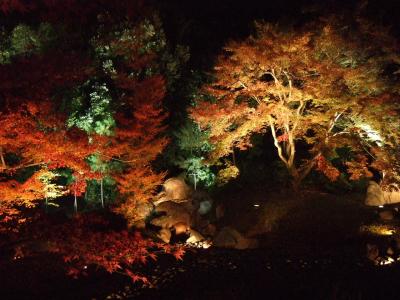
<point x="174" y="189"/>
<point x="142" y="211"/>
<point x="171" y="214"/>
<point x="231" y="238"/>
<point x="374" y="194"/>
<point x="196" y="239"/>
<point x="378" y="197"/>
<point x="392" y="196"/>
<point x="209" y="230"/>
<point x="205" y="207"/>
<point x="372" y="252"/>
<point x="165" y="235"/>
<point x="396" y="240"/>
<point x="386" y="215"/>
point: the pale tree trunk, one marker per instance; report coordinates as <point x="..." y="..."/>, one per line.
<point x="3" y="161"/>
<point x="288" y="125"/>
<point x="290" y="122"/>
<point x="286" y="153"/>
<point x="195" y="182"/>
<point x="75" y="201"/>
<point x="101" y="193"/>
<point x="233" y="156"/>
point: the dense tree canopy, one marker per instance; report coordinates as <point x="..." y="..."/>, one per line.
<point x="325" y="84"/>
<point x="93" y="116"/>
<point x="82" y="110"/>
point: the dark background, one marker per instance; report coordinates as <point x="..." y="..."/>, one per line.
<point x="206" y="25"/>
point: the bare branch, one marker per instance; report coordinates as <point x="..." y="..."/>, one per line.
<point x="276" y="142"/>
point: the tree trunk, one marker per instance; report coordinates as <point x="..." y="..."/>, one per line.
<point x="3" y="161"/>
<point x="101" y="193"/>
<point x="295" y="178"/>
<point x="75" y="201"/>
<point x="233" y="156"/>
<point x="299" y="175"/>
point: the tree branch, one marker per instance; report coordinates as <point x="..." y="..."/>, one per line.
<point x="276" y="143"/>
<point x="24" y="166"/>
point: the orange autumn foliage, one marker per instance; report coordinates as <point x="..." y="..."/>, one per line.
<point x="317" y="84"/>
<point x="138" y="141"/>
<point x="326" y="168"/>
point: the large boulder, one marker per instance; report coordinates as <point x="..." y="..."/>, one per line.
<point x="174" y="189"/>
<point x="202" y="201"/>
<point x="229" y="237"/>
<point x="378" y="197"/>
<point x="374" y="195"/>
<point x="171" y="213"/>
<point x="386" y="215"/>
<point x="372" y="252"/>
<point x="391" y="196"/>
<point x="209" y="230"/>
<point x="204" y="207"/>
<point x="164" y="235"/>
<point x="196" y="239"/>
<point x="142" y="211"/>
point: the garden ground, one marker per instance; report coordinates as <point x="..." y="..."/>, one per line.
<point x="314" y="250"/>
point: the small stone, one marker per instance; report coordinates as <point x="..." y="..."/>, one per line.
<point x="389" y="251"/>
<point x="386" y="215"/>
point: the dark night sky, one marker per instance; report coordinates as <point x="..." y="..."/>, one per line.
<point x="206" y="25"/>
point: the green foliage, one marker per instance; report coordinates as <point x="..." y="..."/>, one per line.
<point x="146" y="38"/>
<point x="173" y="64"/>
<point x="190" y="138"/>
<point x="91" y="108"/>
<point x="197" y="170"/>
<point x="64" y="177"/>
<point x="24" y="40"/>
<point x="93" y="189"/>
<point x="92" y="194"/>
<point x="97" y="164"/>
<point x="190" y="145"/>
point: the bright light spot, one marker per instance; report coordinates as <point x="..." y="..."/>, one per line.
<point x="256" y="205"/>
<point x="206" y="245"/>
<point x="200" y="244"/>
<point x="380" y="206"/>
<point x="378" y="229"/>
<point x="386" y="261"/>
<point x="372" y="134"/>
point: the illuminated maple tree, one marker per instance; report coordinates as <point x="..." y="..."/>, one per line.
<point x="137" y="138"/>
<point x="47" y="127"/>
<point x="319" y="84"/>
<point x="83" y="100"/>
